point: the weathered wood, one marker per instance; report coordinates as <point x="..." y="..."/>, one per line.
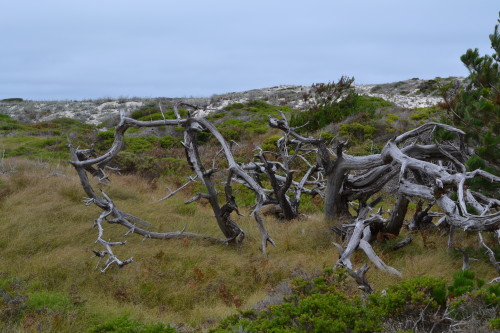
<point x="87" y="161"/>
<point x="398" y="216"/>
<point x="490" y="253"/>
<point x="419" y="169"/>
<point x="359" y="276"/>
<point x="230" y="230"/>
<point x="403" y="243"/>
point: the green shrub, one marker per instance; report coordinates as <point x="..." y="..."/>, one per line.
<point x="469" y="297"/>
<point x="425" y="113"/>
<point x="495" y="323"/>
<point x="12" y="100"/>
<point x="475" y="162"/>
<point x="476" y="107"/>
<point x="140" y="144"/>
<point x="356" y="131"/>
<point x="308" y="205"/>
<point x="404" y="297"/>
<point x="327" y="136"/>
<point x="441" y="135"/>
<point x="480" y="184"/>
<point x="174" y="166"/>
<point x="105" y="140"/>
<point x="322" y="116"/>
<point x="244" y="195"/>
<point x="252" y="119"/>
<point x="218" y="115"/>
<point x="126" y="325"/>
<point x="127" y="162"/>
<point x="326" y="304"/>
<point x="149" y="108"/>
<point x="390" y="118"/>
<point x="169" y="142"/>
<point x="463" y="282"/>
<point x="269" y="144"/>
<point x="149" y="167"/>
<point x="9" y="124"/>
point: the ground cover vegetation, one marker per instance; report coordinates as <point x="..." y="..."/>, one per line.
<point x="52" y="281"/>
<point x="225" y="291"/>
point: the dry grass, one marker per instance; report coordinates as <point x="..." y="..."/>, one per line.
<point x="46" y="237"/>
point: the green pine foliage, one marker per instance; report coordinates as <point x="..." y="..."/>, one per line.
<point x="476" y="109"/>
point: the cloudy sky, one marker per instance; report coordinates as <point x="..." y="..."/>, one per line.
<point x="60" y="49"/>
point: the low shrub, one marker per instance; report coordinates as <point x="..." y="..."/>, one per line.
<point x="327" y="136"/>
<point x="125" y="325"/>
<point x="269" y="144"/>
<point x="351" y="104"/>
<point x="357" y="132"/>
<point x="326" y="304"/>
<point x="425" y="113"/>
<point x="390" y="118"/>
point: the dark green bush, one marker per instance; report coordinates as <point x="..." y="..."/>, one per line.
<point x="242" y="121"/>
<point x="326" y="304"/>
<point x="126" y="325"/>
<point x="322" y="116"/>
<point x="140" y="144"/>
<point x="127" y="162"/>
<point x="319" y="305"/>
<point x="147" y="166"/>
<point x="463" y="282"/>
<point x="12" y="100"/>
<point x="425" y="113"/>
<point x="327" y="136"/>
<point x="169" y="142"/>
<point x="406" y="297"/>
<point x="269" y="144"/>
<point x="475" y="162"/>
<point x="357" y="132"/>
<point x="9" y="124"/>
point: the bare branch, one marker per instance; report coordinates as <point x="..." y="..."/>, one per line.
<point x="490" y="253"/>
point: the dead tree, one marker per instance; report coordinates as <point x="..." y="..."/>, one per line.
<point x="336" y="167"/>
<point x="280" y="168"/>
<point x="421" y="169"/>
<point x="235" y="171"/>
<point x="86" y="161"/>
<point x="437" y="182"/>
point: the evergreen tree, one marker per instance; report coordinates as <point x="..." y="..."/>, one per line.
<point x="476" y="108"/>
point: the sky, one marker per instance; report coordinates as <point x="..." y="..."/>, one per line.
<point x="73" y="50"/>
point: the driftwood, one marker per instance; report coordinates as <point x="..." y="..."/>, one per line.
<point x="411" y="164"/>
<point x="86" y="161"/>
<point x="419" y="168"/>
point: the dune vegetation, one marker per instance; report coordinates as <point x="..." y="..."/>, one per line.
<point x="50" y="265"/>
<point x="46" y="238"/>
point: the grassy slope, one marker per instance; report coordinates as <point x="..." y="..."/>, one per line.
<point x="46" y="238"/>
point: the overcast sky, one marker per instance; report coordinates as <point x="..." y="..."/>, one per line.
<point x="61" y="49"/>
